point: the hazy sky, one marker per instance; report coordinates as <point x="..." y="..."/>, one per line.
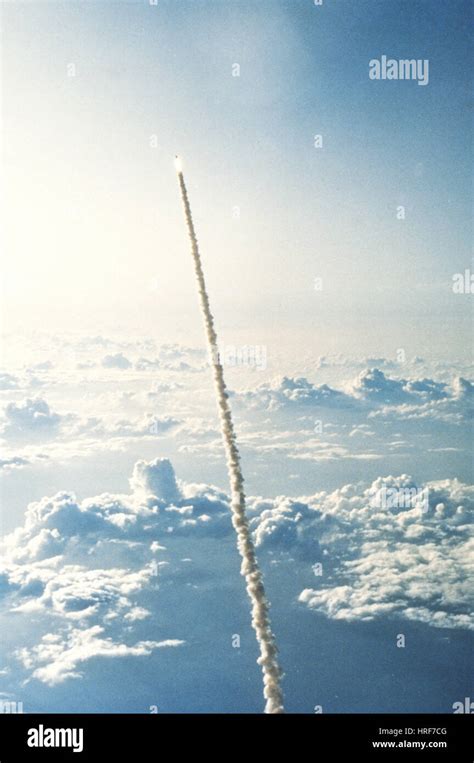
<point x="94" y="233"/>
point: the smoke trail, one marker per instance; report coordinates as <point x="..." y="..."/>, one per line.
<point x="250" y="570"/>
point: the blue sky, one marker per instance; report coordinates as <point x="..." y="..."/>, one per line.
<point x="166" y="71"/>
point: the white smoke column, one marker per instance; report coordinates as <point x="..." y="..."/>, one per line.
<point x="250" y="569"/>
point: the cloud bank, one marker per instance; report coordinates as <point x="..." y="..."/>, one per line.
<point x="81" y="568"/>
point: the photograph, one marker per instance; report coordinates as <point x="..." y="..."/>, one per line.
<point x="236" y="375"/>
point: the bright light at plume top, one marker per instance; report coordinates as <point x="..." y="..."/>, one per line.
<point x="178" y="164"/>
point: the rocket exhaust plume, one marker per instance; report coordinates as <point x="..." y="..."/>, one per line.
<point x="268" y="659"/>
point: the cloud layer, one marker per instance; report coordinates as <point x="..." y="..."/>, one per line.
<point x="390" y="548"/>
